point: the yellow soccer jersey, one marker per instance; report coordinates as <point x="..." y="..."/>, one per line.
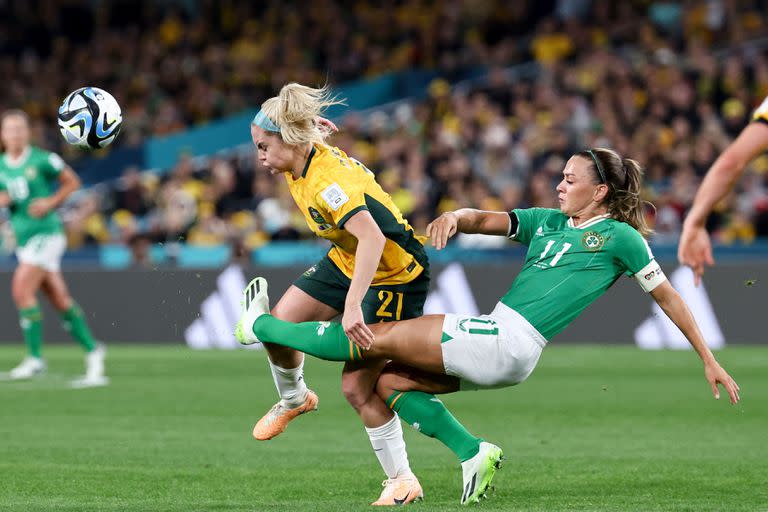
<point x="761" y="112"/>
<point x="334" y="187"/>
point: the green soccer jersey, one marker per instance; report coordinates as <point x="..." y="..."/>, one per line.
<point x="31" y="177"/>
<point x="568" y="267"/>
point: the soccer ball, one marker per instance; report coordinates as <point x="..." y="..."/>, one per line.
<point x="90" y="118"/>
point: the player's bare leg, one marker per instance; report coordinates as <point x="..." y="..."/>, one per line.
<point x="287" y="365"/>
<point x="26" y="281"/>
<point x="358" y="383"/>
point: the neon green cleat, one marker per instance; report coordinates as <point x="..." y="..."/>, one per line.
<point x="479" y="471"/>
<point x="255" y="303"/>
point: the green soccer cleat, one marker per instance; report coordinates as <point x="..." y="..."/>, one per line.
<point x="479" y="471"/>
<point x="255" y="303"/>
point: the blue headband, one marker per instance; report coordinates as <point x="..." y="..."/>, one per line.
<point x="262" y="121"/>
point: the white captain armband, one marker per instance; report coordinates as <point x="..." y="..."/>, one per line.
<point x="650" y="276"/>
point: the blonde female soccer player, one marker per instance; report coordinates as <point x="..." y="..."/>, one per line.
<point x="33" y="183"/>
<point x="375" y="271"/>
<point x="574" y="255"/>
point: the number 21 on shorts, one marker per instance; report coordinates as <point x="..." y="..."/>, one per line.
<point x="385" y="312"/>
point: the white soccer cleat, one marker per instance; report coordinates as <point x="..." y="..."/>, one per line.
<point x="255" y="303"/>
<point x="478" y="472"/>
<point x="28" y="368"/>
<point x="89" y="382"/>
<point x="94" y="370"/>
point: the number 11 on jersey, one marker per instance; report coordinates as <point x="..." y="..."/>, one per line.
<point x="558" y="254"/>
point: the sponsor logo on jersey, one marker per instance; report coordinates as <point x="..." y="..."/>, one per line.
<point x="539" y="232"/>
<point x="319" y="219"/>
<point x="592" y="241"/>
<point x="30" y="173"/>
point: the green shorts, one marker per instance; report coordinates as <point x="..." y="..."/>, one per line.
<point x="326" y="283"/>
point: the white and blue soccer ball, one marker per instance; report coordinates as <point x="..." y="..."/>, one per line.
<point x="90" y="118"/>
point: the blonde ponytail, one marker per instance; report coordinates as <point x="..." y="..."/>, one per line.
<point x="295" y="111"/>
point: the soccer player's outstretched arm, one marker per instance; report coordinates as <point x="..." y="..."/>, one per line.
<point x="467" y="220"/>
<point x="675" y="308"/>
<point x="695" y="249"/>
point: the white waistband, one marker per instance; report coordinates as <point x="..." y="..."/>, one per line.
<point x="512" y="317"/>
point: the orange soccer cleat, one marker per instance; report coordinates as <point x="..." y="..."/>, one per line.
<point x="276" y="420"/>
<point x="400" y="491"/>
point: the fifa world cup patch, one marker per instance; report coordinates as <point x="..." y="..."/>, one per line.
<point x="592" y="241"/>
<point x="334" y="196"/>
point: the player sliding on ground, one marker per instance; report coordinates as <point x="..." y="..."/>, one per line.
<point x="574" y="255"/>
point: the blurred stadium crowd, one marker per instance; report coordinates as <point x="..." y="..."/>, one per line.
<point x="666" y="83"/>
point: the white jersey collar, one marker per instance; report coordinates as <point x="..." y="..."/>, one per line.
<point x="591" y="222"/>
<point x="16" y="162"/>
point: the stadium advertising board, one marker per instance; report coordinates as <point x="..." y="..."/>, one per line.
<point x="200" y="306"/>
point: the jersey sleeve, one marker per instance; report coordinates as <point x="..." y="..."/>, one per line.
<point x="528" y="220"/>
<point x="761" y="112"/>
<point x="341" y="197"/>
<point x="636" y="258"/>
<point x="52" y="165"/>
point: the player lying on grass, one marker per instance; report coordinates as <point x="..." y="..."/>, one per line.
<point x="574" y="255"/>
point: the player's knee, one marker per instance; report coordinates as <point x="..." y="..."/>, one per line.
<point x="356" y="393"/>
<point x="23" y="297"/>
<point x="385" y="386"/>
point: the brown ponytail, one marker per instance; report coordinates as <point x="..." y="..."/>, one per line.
<point x="624" y="178"/>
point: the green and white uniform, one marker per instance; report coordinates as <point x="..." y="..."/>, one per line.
<point x="565" y="270"/>
<point x="39" y="241"/>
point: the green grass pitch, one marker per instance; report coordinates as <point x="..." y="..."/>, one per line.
<point x="594" y="428"/>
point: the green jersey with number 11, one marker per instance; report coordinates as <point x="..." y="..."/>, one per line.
<point x="32" y="176"/>
<point x="568" y="267"/>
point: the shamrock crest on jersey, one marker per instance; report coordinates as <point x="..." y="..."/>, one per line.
<point x="592" y="241"/>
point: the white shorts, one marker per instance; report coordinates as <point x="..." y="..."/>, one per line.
<point x="490" y="351"/>
<point x="43" y="251"/>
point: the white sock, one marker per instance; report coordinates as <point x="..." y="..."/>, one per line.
<point x="290" y="384"/>
<point x="389" y="446"/>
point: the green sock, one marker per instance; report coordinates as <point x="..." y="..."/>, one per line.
<point x="75" y="324"/>
<point x="427" y="414"/>
<point x="325" y="340"/>
<point x="31" y="321"/>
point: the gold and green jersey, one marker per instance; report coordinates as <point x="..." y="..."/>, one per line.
<point x="33" y="175"/>
<point x="567" y="267"/>
<point x="333" y="188"/>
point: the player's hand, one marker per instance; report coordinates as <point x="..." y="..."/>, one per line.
<point x="327" y="125"/>
<point x="442" y="228"/>
<point x="695" y="250"/>
<point x="355" y="328"/>
<point x="716" y="375"/>
<point x="39" y="207"/>
<point x="5" y="200"/>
